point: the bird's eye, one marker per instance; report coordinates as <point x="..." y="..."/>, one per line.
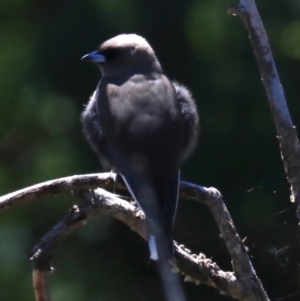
<point x="110" y="54"/>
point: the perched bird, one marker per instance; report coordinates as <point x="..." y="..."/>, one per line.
<point x="143" y="125"/>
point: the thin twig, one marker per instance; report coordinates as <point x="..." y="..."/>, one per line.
<point x="287" y="135"/>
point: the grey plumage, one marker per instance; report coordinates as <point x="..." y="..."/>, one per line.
<point x="145" y="126"/>
<point x="93" y="133"/>
<point x="190" y="118"/>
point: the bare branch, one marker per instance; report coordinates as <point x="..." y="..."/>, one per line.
<point x="287" y="135"/>
<point x="54" y="187"/>
<point x="196" y="268"/>
<point x="39" y="285"/>
<point x="243" y="269"/>
<point x="243" y="284"/>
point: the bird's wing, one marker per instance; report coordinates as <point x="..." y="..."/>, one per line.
<point x="190" y="117"/>
<point x="93" y="130"/>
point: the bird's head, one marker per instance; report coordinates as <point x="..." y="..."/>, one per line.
<point x="124" y="53"/>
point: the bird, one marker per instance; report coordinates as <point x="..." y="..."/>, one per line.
<point x="145" y="126"/>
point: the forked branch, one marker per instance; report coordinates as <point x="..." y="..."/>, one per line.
<point x="242" y="283"/>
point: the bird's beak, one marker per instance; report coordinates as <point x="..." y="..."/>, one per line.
<point x="94" y="57"/>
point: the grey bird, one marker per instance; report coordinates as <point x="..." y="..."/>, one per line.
<point x="145" y="126"/>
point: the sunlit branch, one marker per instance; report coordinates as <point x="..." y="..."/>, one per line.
<point x="287" y="135"/>
<point x="241" y="284"/>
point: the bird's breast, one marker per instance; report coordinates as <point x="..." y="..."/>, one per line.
<point x="140" y="112"/>
<point x="140" y="118"/>
<point x="140" y="103"/>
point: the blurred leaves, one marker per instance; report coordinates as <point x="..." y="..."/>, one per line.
<point x="290" y="39"/>
<point x="117" y="14"/>
<point x="210" y="27"/>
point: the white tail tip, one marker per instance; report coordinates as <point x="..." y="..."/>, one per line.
<point x="152" y="248"/>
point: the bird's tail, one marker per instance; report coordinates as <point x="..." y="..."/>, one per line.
<point x="159" y="236"/>
<point x="171" y="282"/>
<point x="160" y="245"/>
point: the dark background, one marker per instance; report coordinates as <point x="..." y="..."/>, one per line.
<point x="43" y="89"/>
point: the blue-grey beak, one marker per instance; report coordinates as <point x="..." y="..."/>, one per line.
<point x="94" y="57"/>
